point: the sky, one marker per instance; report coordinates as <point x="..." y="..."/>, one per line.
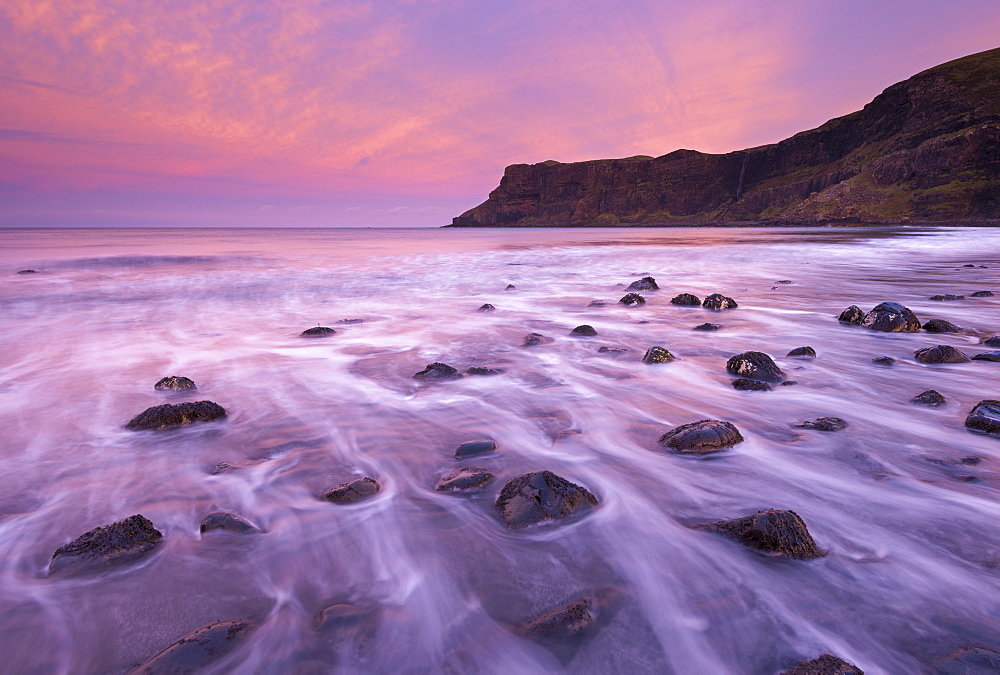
<point x="343" y="113"/>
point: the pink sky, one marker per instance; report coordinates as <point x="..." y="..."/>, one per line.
<point x="316" y="113"/>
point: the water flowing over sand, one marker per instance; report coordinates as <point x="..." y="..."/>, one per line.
<point x="905" y="499"/>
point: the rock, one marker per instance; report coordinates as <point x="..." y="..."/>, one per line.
<point x="198" y="649"/>
<point x="223" y="520"/>
<point x="562" y="622"/>
<point x="472" y="448"/>
<point x="657" y="355"/>
<point x="987" y="356"/>
<point x="983" y="294"/>
<point x="596" y="303"/>
<point x="969" y="660"/>
<point x="883" y="361"/>
<point x="123" y="541"/>
<point x="947" y="296"/>
<point x="510" y="287"/>
<point x="803" y="353"/>
<point x="823" y="424"/>
<point x="993" y="341"/>
<point x="746" y="384"/>
<point x="583" y="331"/>
<point x="707" y="326"/>
<point x="756" y="366"/>
<point x="487" y="308"/>
<point x="686" y="299"/>
<point x="783" y="281"/>
<point x="941" y="326"/>
<point x="28" y="272"/>
<point x="719" y="301"/>
<point x="940" y="354"/>
<point x="465" y="480"/>
<point x="318" y="331"/>
<point x="985" y="417"/>
<point x="827" y="664"/>
<point x="353" y="491"/>
<point x="852" y="314"/>
<point x="644" y="284"/>
<point x="891" y="317"/>
<point x="479" y="370"/>
<point x="789" y="383"/>
<point x="633" y="300"/>
<point x="702" y="438"/>
<point x="532" y="339"/>
<point x="177" y="414"/>
<point x="174" y="383"/>
<point x="534" y="498"/>
<point x="930" y="397"/>
<point x="438" y="371"/>
<point x="348" y="322"/>
<point x="968" y="265"/>
<point x="614" y="351"/>
<point x="781" y="533"/>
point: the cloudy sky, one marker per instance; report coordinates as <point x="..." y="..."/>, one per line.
<point x="347" y="113"/>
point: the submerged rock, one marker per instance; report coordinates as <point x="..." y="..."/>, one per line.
<point x="746" y="384"/>
<point x="883" y="361"/>
<point x="318" y="331"/>
<point x="707" y="326"/>
<point x="198" y="649"/>
<point x="230" y="522"/>
<point x="826" y="664"/>
<point x="941" y="326"/>
<point x="930" y="397"/>
<point x="633" y="300"/>
<point x="774" y="531"/>
<point x="28" y="272"/>
<point x="472" y="448"/>
<point x="119" y="542"/>
<point x="532" y="339"/>
<point x="510" y="287"/>
<point x="534" y="498"/>
<point x="614" y="351"/>
<point x="987" y="356"/>
<point x="719" y="301"/>
<point x="940" y="354"/>
<point x="823" y="424"/>
<point x="803" y="353"/>
<point x="350" y="322"/>
<point x="438" y="371"/>
<point x="479" y="370"/>
<point x="171" y="415"/>
<point x="702" y="437"/>
<point x="644" y="284"/>
<point x="465" y="480"/>
<point x="891" y="317"/>
<point x="353" y="491"/>
<point x="985" y="417"/>
<point x="983" y="294"/>
<point x="969" y="660"/>
<point x="686" y="300"/>
<point x="657" y="355"/>
<point x="756" y="366"/>
<point x="596" y="303"/>
<point x="562" y="622"/>
<point x="852" y="314"/>
<point x="993" y="341"/>
<point x="583" y="331"/>
<point x="947" y="296"/>
<point x="486" y="308"/>
<point x="175" y="383"/>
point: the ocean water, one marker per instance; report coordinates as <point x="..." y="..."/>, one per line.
<point x="904" y="500"/>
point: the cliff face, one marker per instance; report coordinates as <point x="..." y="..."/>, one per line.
<point x="927" y="149"/>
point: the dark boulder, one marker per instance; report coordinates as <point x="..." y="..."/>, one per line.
<point x="983" y="294"/>
<point x="197" y="650"/>
<point x="532" y="339"/>
<point x="969" y="660"/>
<point x="473" y="448"/>
<point x="465" y="480"/>
<point x="756" y="366"/>
<point x="510" y="287"/>
<point x="562" y="622"/>
<point x="614" y="351"/>
<point x="947" y="296"/>
<point x="987" y="356"/>
<point x="719" y="301"/>
<point x="28" y="272"/>
<point x="177" y="414"/>
<point x="123" y="541"/>
<point x="318" y="331"/>
<point x="438" y="371"/>
<point x="941" y="326"/>
<point x="644" y="284"/>
<point x="707" y="326"/>
<point x="773" y="531"/>
<point x="583" y="331"/>
<point x="657" y="355"/>
<point x="803" y="353"/>
<point x="353" y="491"/>
<point x="891" y="317"/>
<point x="633" y="300"/>
<point x="827" y="664"/>
<point x="940" y="354"/>
<point x="487" y="308"/>
<point x="993" y="341"/>
<point x="533" y="498"/>
<point x="479" y="370"/>
<point x="702" y="438"/>
<point x="985" y="417"/>
<point x="883" y="361"/>
<point x="175" y="383"/>
<point x="852" y="314"/>
<point x="823" y="424"/>
<point x="686" y="300"/>
<point x="930" y="397"/>
<point x="746" y="384"/>
<point x="230" y="522"/>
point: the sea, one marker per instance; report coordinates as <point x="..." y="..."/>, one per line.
<point x="904" y="501"/>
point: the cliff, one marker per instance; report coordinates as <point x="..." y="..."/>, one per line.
<point x="926" y="149"/>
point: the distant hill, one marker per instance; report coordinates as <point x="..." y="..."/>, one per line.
<point x="926" y="149"/>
